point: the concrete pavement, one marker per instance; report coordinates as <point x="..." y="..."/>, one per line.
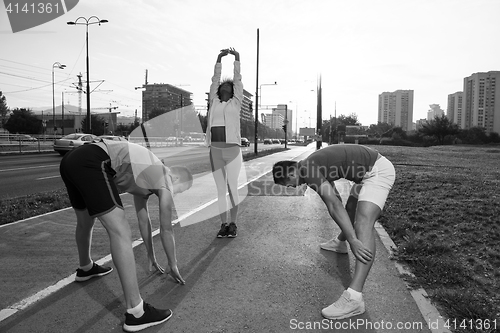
<point x="271" y="278"/>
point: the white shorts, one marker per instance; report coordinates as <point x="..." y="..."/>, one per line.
<point x="376" y="183"/>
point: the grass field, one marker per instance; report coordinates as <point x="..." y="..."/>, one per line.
<point x="444" y="215"/>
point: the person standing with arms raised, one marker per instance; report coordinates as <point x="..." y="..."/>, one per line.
<point x="224" y="139"/>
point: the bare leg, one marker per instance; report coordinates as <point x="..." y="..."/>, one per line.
<point x="219" y="173"/>
<point x="120" y="238"/>
<point x="351" y="206"/>
<point x="233" y="172"/>
<point x="83" y="236"/>
<point x="366" y="215"/>
<point x="221" y="184"/>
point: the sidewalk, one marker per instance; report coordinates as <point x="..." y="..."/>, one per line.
<point x="271" y="278"/>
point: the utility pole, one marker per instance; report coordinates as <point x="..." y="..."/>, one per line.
<point x="257" y="97"/>
<point x="319" y="117"/>
<point x="62" y="111"/>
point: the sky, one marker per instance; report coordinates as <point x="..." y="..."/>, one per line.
<point x="359" y="48"/>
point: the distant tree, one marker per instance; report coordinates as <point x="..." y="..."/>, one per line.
<point x="332" y="127"/>
<point x="439" y="128"/>
<point x="473" y="135"/>
<point x="96" y="125"/>
<point x="394" y="133"/>
<point x="378" y="129"/>
<point x="4" y="110"/>
<point x="23" y="121"/>
<point x="350" y="120"/>
<point x="494" y="137"/>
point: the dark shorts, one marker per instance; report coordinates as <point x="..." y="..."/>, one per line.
<point x="87" y="174"/>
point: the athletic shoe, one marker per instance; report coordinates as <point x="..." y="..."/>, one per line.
<point x="231" y="230"/>
<point x="223" y="230"/>
<point x="344" y="307"/>
<point x="95" y="271"/>
<point x="151" y="317"/>
<point x="335" y="245"/>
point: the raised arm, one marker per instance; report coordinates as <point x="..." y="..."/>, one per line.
<point x="237" y="83"/>
<point x="217" y="74"/>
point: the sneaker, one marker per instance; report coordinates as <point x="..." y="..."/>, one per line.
<point x="335" y="245"/>
<point x="231" y="230"/>
<point x="344" y="307"/>
<point x="151" y="317"/>
<point x="95" y="271"/>
<point x="223" y="230"/>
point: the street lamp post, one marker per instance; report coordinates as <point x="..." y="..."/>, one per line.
<point x="60" y="66"/>
<point x="87" y="23"/>
<point x="260" y="89"/>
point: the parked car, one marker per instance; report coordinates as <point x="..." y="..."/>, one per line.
<point x="112" y="137"/>
<point x="268" y="141"/>
<point x="23" y="137"/>
<point x="276" y="141"/>
<point x="71" y="141"/>
<point x="245" y="142"/>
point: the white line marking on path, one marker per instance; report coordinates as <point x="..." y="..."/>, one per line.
<point x="50" y="177"/>
<point x="26" y="168"/>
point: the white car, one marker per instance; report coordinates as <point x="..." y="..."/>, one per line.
<point x="71" y="141"/>
<point x="23" y="137"/>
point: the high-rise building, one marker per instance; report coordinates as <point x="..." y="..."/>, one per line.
<point x="287" y="114"/>
<point x="434" y="112"/>
<point x="396" y="108"/>
<point x="273" y="120"/>
<point x="481" y="101"/>
<point x="246" y="111"/>
<point x="454" y="110"/>
<point x="164" y="96"/>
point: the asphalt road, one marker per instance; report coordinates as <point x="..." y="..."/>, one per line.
<point x="29" y="174"/>
<point x="24" y="174"/>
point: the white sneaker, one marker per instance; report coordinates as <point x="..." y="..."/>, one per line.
<point x="344" y="307"/>
<point x="334" y="245"/>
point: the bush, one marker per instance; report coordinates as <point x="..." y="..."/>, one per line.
<point x="494" y="137"/>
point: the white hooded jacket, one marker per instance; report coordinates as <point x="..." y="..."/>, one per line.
<point x="232" y="108"/>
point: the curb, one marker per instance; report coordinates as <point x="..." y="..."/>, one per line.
<point x="427" y="309"/>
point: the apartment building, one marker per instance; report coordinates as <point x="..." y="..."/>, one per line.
<point x="246" y="111"/>
<point x="454" y="111"/>
<point x="165" y="96"/>
<point x="435" y="111"/>
<point x="481" y="101"/>
<point x="396" y="108"/>
<point x="273" y="120"/>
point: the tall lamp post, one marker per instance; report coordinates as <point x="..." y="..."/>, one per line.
<point x="60" y="66"/>
<point x="87" y="23"/>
